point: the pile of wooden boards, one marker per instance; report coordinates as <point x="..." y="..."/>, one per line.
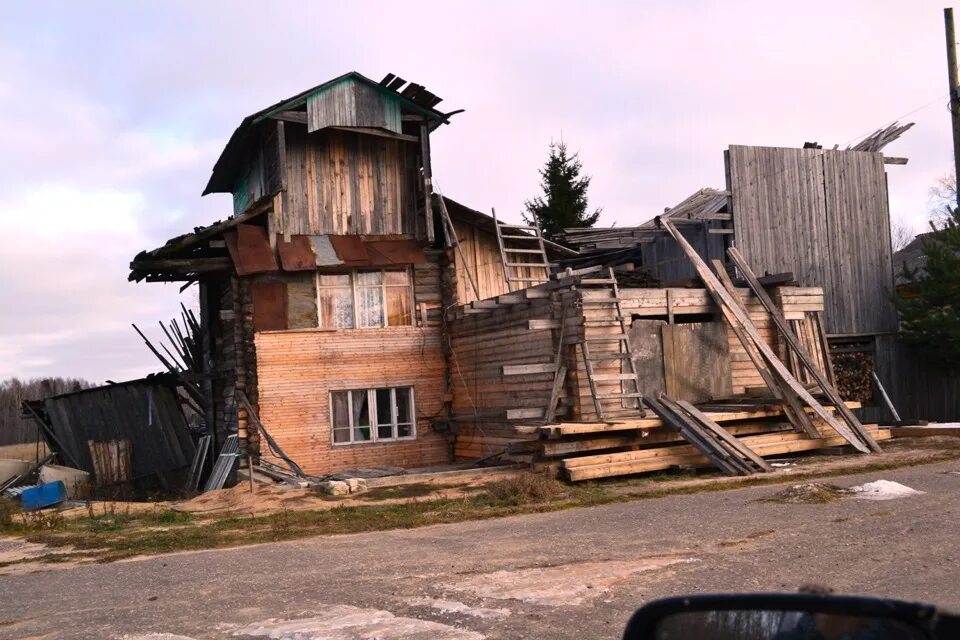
<point x="587" y="451"/>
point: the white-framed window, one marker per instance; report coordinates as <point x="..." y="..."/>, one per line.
<point x="365" y="298"/>
<point x="372" y="415"/>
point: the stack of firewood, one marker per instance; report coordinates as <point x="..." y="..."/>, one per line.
<point x="852" y="371"/>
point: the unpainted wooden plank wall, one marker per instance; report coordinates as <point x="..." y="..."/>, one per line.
<point x="822" y="215"/>
<point x="341" y="182"/>
<point x="665" y="259"/>
<point x="917" y="391"/>
<point x="351" y="103"/>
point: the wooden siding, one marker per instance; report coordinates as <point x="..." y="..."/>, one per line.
<point x="298" y="369"/>
<point x="263" y="173"/>
<point x="822" y="215"/>
<point x="917" y="391"/>
<point x="481" y="256"/>
<point x="664" y="258"/>
<point x="342" y="182"/>
<point x="351" y="103"/>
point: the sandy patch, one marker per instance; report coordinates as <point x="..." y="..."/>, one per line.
<point x="26" y="557"/>
<point x="452" y="606"/>
<point x="563" y="585"/>
<point x="343" y="622"/>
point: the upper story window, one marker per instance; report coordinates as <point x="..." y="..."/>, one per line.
<point x="365" y="298"/>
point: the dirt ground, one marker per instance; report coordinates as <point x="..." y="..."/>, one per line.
<point x="574" y="573"/>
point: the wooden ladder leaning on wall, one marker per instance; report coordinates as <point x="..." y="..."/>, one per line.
<point x="596" y="348"/>
<point x="517" y="241"/>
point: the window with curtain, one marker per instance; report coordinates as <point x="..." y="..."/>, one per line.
<point x="372" y="415"/>
<point x="364" y="299"/>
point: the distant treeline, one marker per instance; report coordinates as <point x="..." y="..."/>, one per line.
<point x="13" y="391"/>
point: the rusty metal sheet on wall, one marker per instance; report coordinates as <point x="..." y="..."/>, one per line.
<point x="251" y="251"/>
<point x="269" y="305"/>
<point x="386" y="252"/>
<point x="296" y="255"/>
<point x="352" y="250"/>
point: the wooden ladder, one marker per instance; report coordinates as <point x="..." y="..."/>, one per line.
<point x="607" y="347"/>
<point x="516" y="242"/>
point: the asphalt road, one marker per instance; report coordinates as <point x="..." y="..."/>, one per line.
<point x="571" y="574"/>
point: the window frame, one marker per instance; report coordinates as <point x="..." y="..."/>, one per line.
<point x="355" y="295"/>
<point x="372" y="412"/>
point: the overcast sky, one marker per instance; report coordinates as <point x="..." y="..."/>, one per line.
<point x="113" y="113"/>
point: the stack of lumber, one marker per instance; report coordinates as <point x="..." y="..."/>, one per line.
<point x="591" y="450"/>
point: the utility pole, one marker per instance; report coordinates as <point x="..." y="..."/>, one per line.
<point x="954" y="88"/>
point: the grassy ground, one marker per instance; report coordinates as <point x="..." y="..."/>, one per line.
<point x="112" y="533"/>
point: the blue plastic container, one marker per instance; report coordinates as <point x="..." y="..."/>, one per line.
<point x="43" y="495"/>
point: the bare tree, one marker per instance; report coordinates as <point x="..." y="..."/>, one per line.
<point x="943" y="198"/>
<point x="901" y="234"/>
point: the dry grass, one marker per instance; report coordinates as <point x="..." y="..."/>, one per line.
<point x="808" y="493"/>
<point x="527" y="488"/>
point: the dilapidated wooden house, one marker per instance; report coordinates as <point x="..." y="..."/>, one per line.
<point x="371" y="322"/>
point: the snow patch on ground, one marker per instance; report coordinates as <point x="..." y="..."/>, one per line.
<point x="344" y="622"/>
<point x="452" y="606"/>
<point x="883" y="490"/>
<point x="564" y="585"/>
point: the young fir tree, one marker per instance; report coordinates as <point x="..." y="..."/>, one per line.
<point x="564" y="200"/>
<point x="929" y="303"/>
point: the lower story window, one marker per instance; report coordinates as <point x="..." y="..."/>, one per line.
<point x="372" y="415"/>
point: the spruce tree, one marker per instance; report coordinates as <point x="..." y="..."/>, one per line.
<point x="929" y="303"/>
<point x="563" y="203"/>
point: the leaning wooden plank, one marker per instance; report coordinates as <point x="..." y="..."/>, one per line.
<point x="722" y="433"/>
<point x="558" y="381"/>
<point x="667" y="412"/>
<point x="832" y="394"/>
<point x="792" y="407"/>
<point x="723" y="298"/>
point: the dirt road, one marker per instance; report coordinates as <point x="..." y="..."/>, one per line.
<point x="569" y="574"/>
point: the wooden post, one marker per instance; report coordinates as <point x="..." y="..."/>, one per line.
<point x="427" y="179"/>
<point x="250" y="472"/>
<point x="206" y="351"/>
<point x="954" y="88"/>
<point x="886" y="398"/>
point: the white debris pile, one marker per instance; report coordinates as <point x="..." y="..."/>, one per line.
<point x="883" y="490"/>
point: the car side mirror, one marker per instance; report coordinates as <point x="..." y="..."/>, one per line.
<point x="787" y="617"/>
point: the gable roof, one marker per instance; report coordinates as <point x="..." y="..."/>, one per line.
<point x="413" y="96"/>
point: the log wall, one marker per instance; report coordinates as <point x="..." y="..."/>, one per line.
<point x="484" y="397"/>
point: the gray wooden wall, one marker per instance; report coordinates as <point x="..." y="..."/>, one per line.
<point x="665" y="259"/>
<point x="917" y="391"/>
<point x="824" y="216"/>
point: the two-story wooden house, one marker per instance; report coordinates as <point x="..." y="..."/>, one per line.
<point x="322" y="296"/>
